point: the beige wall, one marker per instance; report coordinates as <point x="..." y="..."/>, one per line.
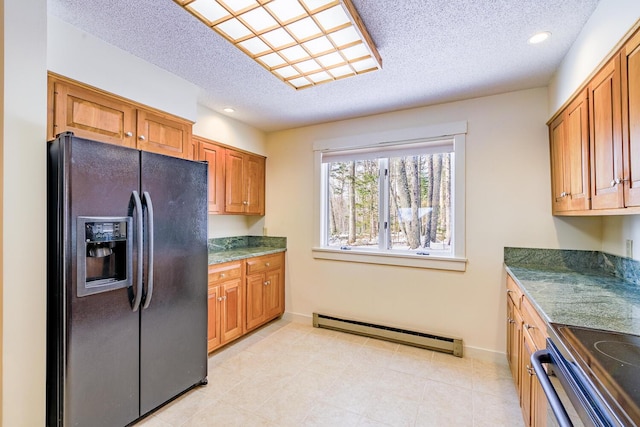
<point x="23" y="216"/>
<point x="508" y="204"/>
<point x="609" y="23"/>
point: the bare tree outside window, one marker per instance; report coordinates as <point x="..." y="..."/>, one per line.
<point x="418" y="190"/>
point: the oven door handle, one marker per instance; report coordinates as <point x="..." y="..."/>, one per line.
<point x="537" y="359"/>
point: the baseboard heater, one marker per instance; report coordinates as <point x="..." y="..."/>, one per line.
<point x="402" y="336"/>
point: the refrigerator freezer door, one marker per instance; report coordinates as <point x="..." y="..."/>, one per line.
<point x="92" y="342"/>
<point x="173" y="353"/>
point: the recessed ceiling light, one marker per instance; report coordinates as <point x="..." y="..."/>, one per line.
<point x="228" y="110"/>
<point x="539" y="37"/>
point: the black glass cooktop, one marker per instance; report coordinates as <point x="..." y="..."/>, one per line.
<point x="611" y="360"/>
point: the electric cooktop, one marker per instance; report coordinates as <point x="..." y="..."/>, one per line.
<point x="611" y="360"/>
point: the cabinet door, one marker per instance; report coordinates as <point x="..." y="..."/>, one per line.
<point x="214" y="338"/>
<point x="539" y="403"/>
<point x="255" y="184"/>
<point x="255" y="300"/>
<point x="631" y="120"/>
<point x="514" y="328"/>
<point x="234" y="182"/>
<point x="92" y="115"/>
<point x="526" y="378"/>
<point x="577" y="154"/>
<point x="557" y="138"/>
<point x="231" y="313"/>
<point x="214" y="155"/>
<point x="273" y="294"/>
<point x="606" y="137"/>
<point x="162" y="134"/>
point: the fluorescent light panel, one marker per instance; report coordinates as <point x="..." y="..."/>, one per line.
<point x="301" y="42"/>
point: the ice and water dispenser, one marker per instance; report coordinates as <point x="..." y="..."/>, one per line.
<point x="104" y="254"/>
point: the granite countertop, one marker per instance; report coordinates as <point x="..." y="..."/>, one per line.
<point x="226" y="249"/>
<point x="581" y="288"/>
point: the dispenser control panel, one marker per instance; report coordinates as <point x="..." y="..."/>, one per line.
<point x="105" y="231"/>
<point x="104" y="253"/>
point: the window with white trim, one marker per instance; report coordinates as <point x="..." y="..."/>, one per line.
<point x="394" y="202"/>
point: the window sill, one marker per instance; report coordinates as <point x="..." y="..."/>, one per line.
<point x="402" y="260"/>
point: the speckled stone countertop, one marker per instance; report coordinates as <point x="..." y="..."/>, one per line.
<point x="226" y="249"/>
<point x="581" y="288"/>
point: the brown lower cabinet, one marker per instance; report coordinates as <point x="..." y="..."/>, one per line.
<point x="526" y="333"/>
<point x="226" y="304"/>
<point x="243" y="295"/>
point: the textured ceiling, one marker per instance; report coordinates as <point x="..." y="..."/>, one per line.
<point x="432" y="51"/>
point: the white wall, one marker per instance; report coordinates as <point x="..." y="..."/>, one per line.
<point x="24" y="206"/>
<point x="608" y="24"/>
<point x="80" y="56"/>
<point x="508" y="204"/>
<point x="616" y="231"/>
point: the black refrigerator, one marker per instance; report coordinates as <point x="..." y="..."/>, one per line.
<point x="126" y="281"/>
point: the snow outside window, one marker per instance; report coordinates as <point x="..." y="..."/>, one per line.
<point x="400" y="203"/>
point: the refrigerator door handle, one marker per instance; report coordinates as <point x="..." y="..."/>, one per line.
<point x="135" y="301"/>
<point x="147" y="201"/>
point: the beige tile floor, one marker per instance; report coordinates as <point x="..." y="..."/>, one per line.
<point x="291" y="374"/>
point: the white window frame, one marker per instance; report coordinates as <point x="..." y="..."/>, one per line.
<point x="455" y="131"/>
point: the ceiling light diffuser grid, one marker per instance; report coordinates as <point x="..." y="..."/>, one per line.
<point x="302" y="42"/>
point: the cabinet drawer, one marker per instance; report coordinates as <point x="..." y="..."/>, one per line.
<point x="222" y="272"/>
<point x="263" y="263"/>
<point x="533" y="324"/>
<point x="514" y="292"/>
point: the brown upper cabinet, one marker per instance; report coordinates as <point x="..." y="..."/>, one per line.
<point x="570" y="157"/>
<point x="595" y="141"/>
<point x="236" y="179"/>
<point x="630" y="65"/>
<point x="606" y="137"/>
<point x="94" y="114"/>
<point x="244" y="190"/>
<point x="213" y="154"/>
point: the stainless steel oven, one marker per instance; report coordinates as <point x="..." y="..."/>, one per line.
<point x="592" y="376"/>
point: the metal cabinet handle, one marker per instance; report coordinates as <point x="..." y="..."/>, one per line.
<point x="222" y="275"/>
<point x="142" y="137"/>
<point x="530" y="371"/>
<point x="268" y="264"/>
<point x="128" y="134"/>
<point x="245" y="202"/>
<point x="528" y="326"/>
<point x="265" y="283"/>
<point x="219" y="298"/>
<point x="510" y="320"/>
<point x="618" y="181"/>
